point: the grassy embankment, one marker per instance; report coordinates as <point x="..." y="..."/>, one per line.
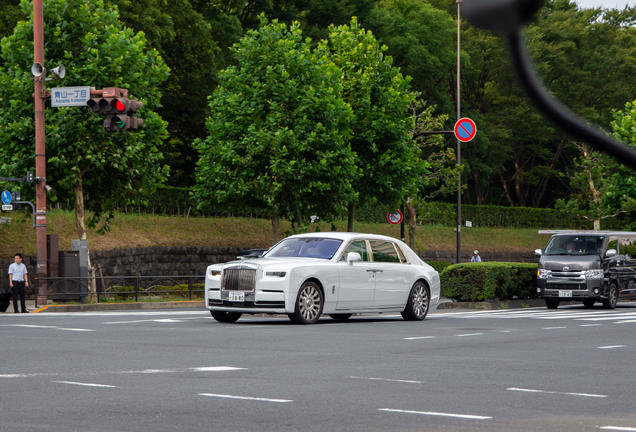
<point x="130" y="231"/>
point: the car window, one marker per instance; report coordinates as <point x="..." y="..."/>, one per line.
<point x="384" y="251"/>
<point x="574" y="245"/>
<point x="401" y="255"/>
<point x="627" y="246"/>
<point x="359" y="246"/>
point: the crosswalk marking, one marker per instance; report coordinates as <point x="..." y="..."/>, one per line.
<point x="617" y="316"/>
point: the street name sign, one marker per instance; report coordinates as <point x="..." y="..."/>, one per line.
<point x="70" y="96"/>
<point x="465" y="129"/>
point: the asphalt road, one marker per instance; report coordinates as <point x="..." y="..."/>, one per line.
<point x="571" y="369"/>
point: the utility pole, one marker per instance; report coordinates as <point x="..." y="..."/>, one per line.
<point x="459" y="147"/>
<point x="40" y="152"/>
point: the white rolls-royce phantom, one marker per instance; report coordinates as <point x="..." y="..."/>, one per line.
<point x="334" y="273"/>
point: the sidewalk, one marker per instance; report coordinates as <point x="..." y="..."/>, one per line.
<point x="109" y="306"/>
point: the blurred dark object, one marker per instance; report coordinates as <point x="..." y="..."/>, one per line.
<point x="251" y="253"/>
<point x="508" y="17"/>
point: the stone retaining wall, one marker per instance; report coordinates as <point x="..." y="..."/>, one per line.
<point x="179" y="261"/>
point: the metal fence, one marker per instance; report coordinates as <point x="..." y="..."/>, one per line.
<point x="119" y="287"/>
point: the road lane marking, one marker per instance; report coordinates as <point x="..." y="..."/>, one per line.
<point x="589" y="325"/>
<point x="618" y="428"/>
<point x="612" y="346"/>
<point x="216" y="369"/>
<point x="245" y="398"/>
<point x="470" y="334"/>
<point x="556" y="392"/>
<point x="48" y="327"/>
<point x="420" y="337"/>
<point x="143" y="371"/>
<point x="162" y="320"/>
<point x="84" y="384"/>
<point x="552" y="328"/>
<point x="387" y="379"/>
<point x="504" y="331"/>
<point x="625" y="322"/>
<point x="466" y="416"/>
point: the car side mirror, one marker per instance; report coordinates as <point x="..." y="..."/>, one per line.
<point x="610" y="253"/>
<point x="353" y="256"/>
<point x="537" y="252"/>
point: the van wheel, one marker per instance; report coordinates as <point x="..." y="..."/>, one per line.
<point x="552" y="303"/>
<point x="588" y="303"/>
<point x="612" y="297"/>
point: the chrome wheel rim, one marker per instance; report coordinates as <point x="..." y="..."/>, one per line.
<point x="420" y="300"/>
<point x="309" y="303"/>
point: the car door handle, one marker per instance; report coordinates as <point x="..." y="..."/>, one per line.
<point x="375" y="270"/>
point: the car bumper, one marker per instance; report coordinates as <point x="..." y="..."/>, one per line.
<point x="255" y="302"/>
<point x="580" y="290"/>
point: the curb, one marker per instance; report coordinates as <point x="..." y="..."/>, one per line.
<point x="121" y="306"/>
<point x="493" y="305"/>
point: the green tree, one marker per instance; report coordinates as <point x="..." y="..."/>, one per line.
<point x="381" y="127"/>
<point x="278" y="133"/>
<point x="85" y="165"/>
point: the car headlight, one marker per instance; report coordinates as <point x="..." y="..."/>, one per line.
<point x="593" y="274"/>
<point x="543" y="273"/>
<point x="215" y="273"/>
<point x="276" y="274"/>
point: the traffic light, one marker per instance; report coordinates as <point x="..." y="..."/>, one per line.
<point x="120" y="111"/>
<point x="15" y="196"/>
<point x="29" y="177"/>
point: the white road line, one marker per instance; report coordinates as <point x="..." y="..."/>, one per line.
<point x="245" y="398"/>
<point x="19" y="375"/>
<point x="624" y="322"/>
<point x="589" y="325"/>
<point x="387" y="379"/>
<point x="556" y="392"/>
<point x="504" y="331"/>
<point x="420" y="337"/>
<point x="164" y="320"/>
<point x="618" y="428"/>
<point x="215" y="369"/>
<point x="474" y="417"/>
<point x="49" y="327"/>
<point x="552" y="328"/>
<point x="612" y="346"/>
<point x="84" y="384"/>
<point x="470" y="334"/>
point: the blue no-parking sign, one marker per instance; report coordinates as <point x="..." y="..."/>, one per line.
<point x="465" y="129"/>
<point x="6" y="197"/>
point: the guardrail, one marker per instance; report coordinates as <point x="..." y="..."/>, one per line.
<point x="70" y="288"/>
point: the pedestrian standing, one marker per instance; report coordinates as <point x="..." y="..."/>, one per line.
<point x="475" y="257"/>
<point x="18" y="279"/>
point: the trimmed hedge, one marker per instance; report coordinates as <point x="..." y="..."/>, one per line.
<point x="489" y="281"/>
<point x="438" y="265"/>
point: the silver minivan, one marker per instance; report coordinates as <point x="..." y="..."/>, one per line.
<point x="587" y="266"/>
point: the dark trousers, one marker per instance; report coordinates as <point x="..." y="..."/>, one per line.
<point x="18" y="289"/>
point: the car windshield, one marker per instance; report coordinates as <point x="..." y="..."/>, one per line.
<point x="574" y="245"/>
<point x="306" y="247"/>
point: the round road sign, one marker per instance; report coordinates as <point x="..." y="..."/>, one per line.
<point x="395" y="218"/>
<point x="465" y="129"/>
<point x="6" y="197"/>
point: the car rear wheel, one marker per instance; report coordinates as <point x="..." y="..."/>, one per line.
<point x="588" y="303"/>
<point x="552" y="303"/>
<point x="340" y="316"/>
<point x="418" y="303"/>
<point x="309" y="303"/>
<point x="612" y="297"/>
<point x="226" y="317"/>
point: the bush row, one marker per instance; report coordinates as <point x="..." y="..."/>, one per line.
<point x="489" y="281"/>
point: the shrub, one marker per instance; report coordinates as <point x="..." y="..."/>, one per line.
<point x="489" y="280"/>
<point x="438" y="265"/>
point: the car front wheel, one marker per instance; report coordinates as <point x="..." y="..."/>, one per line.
<point x="418" y="303"/>
<point x="309" y="303"/>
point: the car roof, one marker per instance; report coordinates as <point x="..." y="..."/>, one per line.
<point x="343" y="235"/>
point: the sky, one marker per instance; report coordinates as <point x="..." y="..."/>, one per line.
<point x="607" y="4"/>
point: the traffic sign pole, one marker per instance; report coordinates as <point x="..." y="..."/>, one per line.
<point x="459" y="144"/>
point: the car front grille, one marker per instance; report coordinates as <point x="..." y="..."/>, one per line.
<point x="567" y="286"/>
<point x="238" y="280"/>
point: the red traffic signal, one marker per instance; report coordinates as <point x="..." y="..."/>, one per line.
<point x="120" y="111"/>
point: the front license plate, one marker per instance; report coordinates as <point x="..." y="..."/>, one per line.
<point x="565" y="293"/>
<point x="240" y="296"/>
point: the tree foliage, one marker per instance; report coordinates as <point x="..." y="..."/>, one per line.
<point x="278" y="134"/>
<point x="83" y="160"/>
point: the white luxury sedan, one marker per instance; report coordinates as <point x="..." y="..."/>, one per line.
<point x="334" y="273"/>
